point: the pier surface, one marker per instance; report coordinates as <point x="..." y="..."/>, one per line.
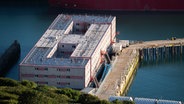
<point x="158" y="43"/>
<point x="116" y="81"/>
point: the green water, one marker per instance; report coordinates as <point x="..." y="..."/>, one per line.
<point x="155" y="81"/>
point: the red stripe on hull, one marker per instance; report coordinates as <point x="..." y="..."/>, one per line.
<point x="129" y="5"/>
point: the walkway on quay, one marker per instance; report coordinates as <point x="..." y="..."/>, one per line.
<point x="158" y="43"/>
<point x="115" y="82"/>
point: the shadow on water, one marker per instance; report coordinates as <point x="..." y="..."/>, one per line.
<point x="24" y="22"/>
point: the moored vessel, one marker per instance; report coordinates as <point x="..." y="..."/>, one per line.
<point x="121" y="5"/>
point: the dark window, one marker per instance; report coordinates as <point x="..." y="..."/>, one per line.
<point x="77" y="30"/>
<point x="67" y="76"/>
<point x="73" y="46"/>
<point x="46" y="68"/>
<point x="36" y="75"/>
<point x="36" y="68"/>
<point x="77" y="24"/>
<point x="68" y="69"/>
<point x="45" y="75"/>
<point x="62" y="45"/>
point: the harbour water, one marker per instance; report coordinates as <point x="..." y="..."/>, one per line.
<point x="162" y="80"/>
<point x="25" y="25"/>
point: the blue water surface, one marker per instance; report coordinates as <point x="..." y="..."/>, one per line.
<point x="28" y="24"/>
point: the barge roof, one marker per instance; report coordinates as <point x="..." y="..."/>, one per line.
<point x="59" y="33"/>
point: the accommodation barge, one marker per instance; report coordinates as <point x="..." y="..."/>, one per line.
<point x="70" y="51"/>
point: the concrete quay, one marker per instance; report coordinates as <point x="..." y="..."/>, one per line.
<point x="117" y="81"/>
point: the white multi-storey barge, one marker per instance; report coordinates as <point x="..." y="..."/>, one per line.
<point x="70" y="51"/>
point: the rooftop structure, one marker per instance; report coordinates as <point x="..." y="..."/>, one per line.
<point x="70" y="43"/>
<point x="145" y="101"/>
<point x="120" y="98"/>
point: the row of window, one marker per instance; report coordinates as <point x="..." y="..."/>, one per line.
<point x="58" y="69"/>
<point x="73" y="46"/>
<point x="63" y="83"/>
<point x="58" y="83"/>
<point x="41" y="82"/>
<point x="52" y="76"/>
<point x="46" y="69"/>
<point x="49" y="76"/>
<point x="40" y="68"/>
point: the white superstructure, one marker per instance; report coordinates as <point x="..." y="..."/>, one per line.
<point x="69" y="52"/>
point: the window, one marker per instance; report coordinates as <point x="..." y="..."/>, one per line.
<point x="36" y="75"/>
<point x="46" y="68"/>
<point x="45" y="75"/>
<point x="63" y="70"/>
<point x="27" y="75"/>
<point x="63" y="83"/>
<point x="67" y="76"/>
<point x="41" y="68"/>
<point x="77" y="24"/>
<point x="68" y="69"/>
<point x="77" y="30"/>
<point x="73" y="46"/>
<point x="62" y="45"/>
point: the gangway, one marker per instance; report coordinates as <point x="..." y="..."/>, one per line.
<point x="107" y="58"/>
<point x="106" y="70"/>
<point x="96" y="82"/>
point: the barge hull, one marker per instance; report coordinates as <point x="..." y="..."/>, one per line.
<point x="121" y="5"/>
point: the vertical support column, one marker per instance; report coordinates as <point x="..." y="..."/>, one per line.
<point x="177" y="50"/>
<point x="161" y="52"/>
<point x="141" y="56"/>
<point x="172" y="51"/>
<point x="181" y="50"/>
<point x="151" y="55"/>
<point x="164" y="53"/>
<point x="145" y="54"/>
<point x="156" y="54"/>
